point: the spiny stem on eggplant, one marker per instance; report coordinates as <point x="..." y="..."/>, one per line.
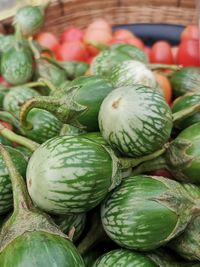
<point x="18" y="33"/>
<point x="48" y="83"/>
<point x="13" y="137"/>
<point x="44" y="102"/>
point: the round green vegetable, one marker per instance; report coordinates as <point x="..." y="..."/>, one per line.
<point x="135" y="120"/>
<point x="17" y="64"/>
<point x="187" y="100"/>
<point x="146" y="212"/>
<point x="123" y="258"/>
<point x="185" y="80"/>
<point x="29" y="19"/>
<point x="132" y="72"/>
<point x="65" y="174"/>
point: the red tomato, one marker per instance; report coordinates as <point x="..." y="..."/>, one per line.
<point x="98" y="36"/>
<point x="48" y="40"/>
<point x="174" y="53"/>
<point x="115" y="41"/>
<point x="4" y="82"/>
<point x="161" y="172"/>
<point x="190" y="32"/>
<point x="6" y="124"/>
<point x="165" y="85"/>
<point x="123" y="34"/>
<point x="73" y="50"/>
<point x="71" y="34"/>
<point x="188" y="53"/>
<point x="136" y="42"/>
<point x="92" y="50"/>
<point x="161" y="53"/>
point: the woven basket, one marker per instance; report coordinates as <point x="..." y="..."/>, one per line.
<point x="61" y="14"/>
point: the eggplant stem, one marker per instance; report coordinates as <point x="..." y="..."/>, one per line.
<point x="133" y="162"/>
<point x="42" y="102"/>
<point x="35" y="84"/>
<point x="33" y="48"/>
<point x="47" y="83"/>
<point x="164" y="66"/>
<point x="21" y="199"/>
<point x="13" y="137"/>
<point x="182" y="114"/>
<point x="152" y="165"/>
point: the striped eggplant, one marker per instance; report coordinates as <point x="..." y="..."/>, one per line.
<point x="29" y="19"/>
<point x="65" y="174"/>
<point x="45" y="125"/>
<point x="133" y="51"/>
<point x="28" y="237"/>
<point x="123" y="258"/>
<point x="146" y="212"/>
<point x="105" y="60"/>
<point x="181" y="157"/>
<point x="185" y="80"/>
<point x="6" y="198"/>
<point x="17" y="64"/>
<point x="135" y="120"/>
<point x="73" y="69"/>
<point x="78" y="103"/>
<point x="132" y="72"/>
<point x="73" y="222"/>
<point x="180" y="103"/>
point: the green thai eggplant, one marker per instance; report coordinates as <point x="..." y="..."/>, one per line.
<point x="135" y="120"/>
<point x="105" y="60"/>
<point x="181" y="157"/>
<point x="17" y="64"/>
<point x="180" y="103"/>
<point x="146" y="212"/>
<point x="132" y="72"/>
<point x="185" y="80"/>
<point x="29" y="19"/>
<point x="123" y="258"/>
<point x="28" y="237"/>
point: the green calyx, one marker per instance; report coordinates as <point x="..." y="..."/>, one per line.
<point x="77" y="103"/>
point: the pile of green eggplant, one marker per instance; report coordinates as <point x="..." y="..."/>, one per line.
<point x="79" y="164"/>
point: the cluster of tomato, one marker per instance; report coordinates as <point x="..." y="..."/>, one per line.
<point x="76" y="44"/>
